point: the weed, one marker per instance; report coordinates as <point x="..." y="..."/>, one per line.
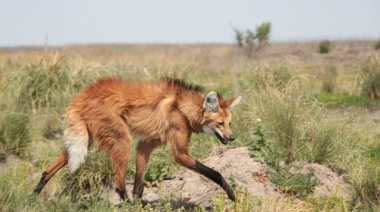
<point x="293" y="182"/>
<point x="233" y="183"/>
<point x="258" y="142"/>
<point x="156" y="173"/>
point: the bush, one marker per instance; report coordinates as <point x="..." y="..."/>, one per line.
<point x="377" y="45"/>
<point x="324" y="47"/>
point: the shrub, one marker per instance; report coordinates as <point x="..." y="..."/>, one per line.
<point x="324" y="47"/>
<point x="377" y="45"/>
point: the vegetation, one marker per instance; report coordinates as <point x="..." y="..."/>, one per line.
<point x="248" y="39"/>
<point x="377" y="45"/>
<point x="324" y="47"/>
<point x="368" y="78"/>
<point x="298" y="106"/>
<point x="294" y="183"/>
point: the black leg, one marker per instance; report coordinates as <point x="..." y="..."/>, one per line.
<point x="122" y="191"/>
<point x="41" y="184"/>
<point x="216" y="177"/>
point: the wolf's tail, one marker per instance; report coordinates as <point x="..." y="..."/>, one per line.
<point x="76" y="138"/>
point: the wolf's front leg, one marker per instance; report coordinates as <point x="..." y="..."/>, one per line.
<point x="189" y="162"/>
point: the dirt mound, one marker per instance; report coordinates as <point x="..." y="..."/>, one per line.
<point x="233" y="164"/>
<point x="241" y="171"/>
<point x="329" y="181"/>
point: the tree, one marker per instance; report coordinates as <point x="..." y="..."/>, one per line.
<point x="248" y="39"/>
<point x="239" y="37"/>
<point x="262" y="32"/>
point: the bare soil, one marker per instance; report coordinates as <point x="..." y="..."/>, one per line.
<point x="188" y="187"/>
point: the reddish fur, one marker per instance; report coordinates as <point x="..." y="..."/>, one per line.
<point x="157" y="113"/>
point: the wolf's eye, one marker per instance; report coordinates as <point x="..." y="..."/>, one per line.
<point x="220" y="123"/>
<point x="229" y="123"/>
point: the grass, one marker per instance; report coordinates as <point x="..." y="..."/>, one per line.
<point x="294" y="183"/>
<point x="368" y="78"/>
<point x="300" y="96"/>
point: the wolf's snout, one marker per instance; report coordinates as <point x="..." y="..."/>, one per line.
<point x="231" y="138"/>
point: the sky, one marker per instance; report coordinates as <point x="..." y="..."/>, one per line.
<point x="67" y="22"/>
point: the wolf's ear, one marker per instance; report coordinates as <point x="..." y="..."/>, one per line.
<point x="211" y="102"/>
<point x="234" y="103"/>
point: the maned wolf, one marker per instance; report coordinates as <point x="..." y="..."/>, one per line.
<point x="164" y="112"/>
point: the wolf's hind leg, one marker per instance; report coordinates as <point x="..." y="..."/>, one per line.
<point x="113" y="137"/>
<point x="144" y="149"/>
<point x="61" y="161"/>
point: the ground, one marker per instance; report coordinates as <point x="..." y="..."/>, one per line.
<point x="247" y="175"/>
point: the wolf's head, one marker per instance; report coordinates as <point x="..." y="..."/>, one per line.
<point x="217" y="116"/>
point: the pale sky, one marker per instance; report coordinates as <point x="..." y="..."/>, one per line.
<point x="26" y="22"/>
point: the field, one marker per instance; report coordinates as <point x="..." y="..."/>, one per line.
<point x="299" y="106"/>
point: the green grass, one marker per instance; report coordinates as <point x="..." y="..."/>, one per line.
<point x="294" y="182"/>
<point x="347" y="100"/>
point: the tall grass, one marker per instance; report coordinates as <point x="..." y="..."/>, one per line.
<point x="295" y="128"/>
<point x="286" y="111"/>
<point x="368" y="78"/>
<point x="14" y="132"/>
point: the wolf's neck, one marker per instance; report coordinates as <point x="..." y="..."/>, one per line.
<point x="192" y="108"/>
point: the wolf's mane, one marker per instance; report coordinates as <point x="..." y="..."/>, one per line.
<point x="184" y="85"/>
